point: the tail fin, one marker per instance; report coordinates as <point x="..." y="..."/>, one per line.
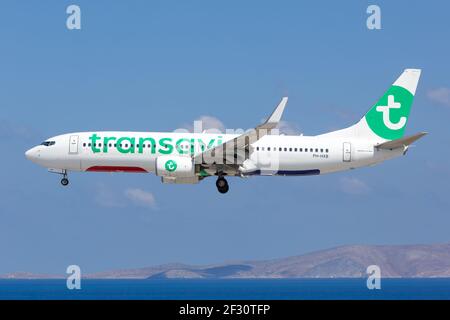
<point x="387" y="119"/>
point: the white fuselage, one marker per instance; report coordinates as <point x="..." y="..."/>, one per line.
<point x="187" y="158"/>
<point x="270" y="155"/>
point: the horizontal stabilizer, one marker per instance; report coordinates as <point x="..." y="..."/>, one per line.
<point x="402" y="142"/>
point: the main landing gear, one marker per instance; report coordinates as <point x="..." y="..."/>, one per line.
<point x="222" y="185"/>
<point x="64" y="180"/>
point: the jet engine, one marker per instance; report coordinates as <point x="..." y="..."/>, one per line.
<point x="175" y="166"/>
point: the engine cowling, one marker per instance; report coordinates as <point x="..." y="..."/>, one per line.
<point x="175" y="166"/>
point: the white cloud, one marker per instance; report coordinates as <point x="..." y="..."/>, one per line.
<point x="141" y="197"/>
<point x="105" y="197"/>
<point x="440" y="96"/>
<point x="209" y="123"/>
<point x="353" y="186"/>
<point x="288" y="128"/>
<point x="110" y="198"/>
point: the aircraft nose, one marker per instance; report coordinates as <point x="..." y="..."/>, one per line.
<point x="29" y="154"/>
<point x="32" y="154"/>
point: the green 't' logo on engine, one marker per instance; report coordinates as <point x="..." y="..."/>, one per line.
<point x="389" y="115"/>
<point x="171" y="165"/>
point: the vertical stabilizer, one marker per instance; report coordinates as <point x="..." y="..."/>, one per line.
<point x="387" y="118"/>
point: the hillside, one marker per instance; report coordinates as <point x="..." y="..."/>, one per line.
<point x="346" y="261"/>
<point x="408" y="261"/>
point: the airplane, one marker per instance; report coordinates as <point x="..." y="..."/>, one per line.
<point x="188" y="158"/>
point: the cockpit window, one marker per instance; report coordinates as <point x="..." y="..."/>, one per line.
<point x="47" y="143"/>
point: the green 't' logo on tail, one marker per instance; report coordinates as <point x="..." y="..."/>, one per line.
<point x="171" y="165"/>
<point x="389" y="115"/>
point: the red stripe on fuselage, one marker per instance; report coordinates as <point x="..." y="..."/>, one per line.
<point x="115" y="169"/>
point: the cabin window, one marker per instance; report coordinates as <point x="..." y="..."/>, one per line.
<point x="301" y="149"/>
<point x="268" y="148"/>
<point x="290" y="149"/>
<point x="257" y="148"/>
<point x="295" y="149"/>
<point x="84" y="144"/>
<point x="321" y="150"/>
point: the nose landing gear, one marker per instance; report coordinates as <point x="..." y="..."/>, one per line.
<point x="64" y="181"/>
<point x="222" y="185"/>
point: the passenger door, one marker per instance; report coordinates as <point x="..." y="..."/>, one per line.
<point x="73" y="145"/>
<point x="347" y="151"/>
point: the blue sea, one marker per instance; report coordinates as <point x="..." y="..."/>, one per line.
<point x="296" y="289"/>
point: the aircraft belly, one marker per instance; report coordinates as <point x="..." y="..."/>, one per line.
<point x="118" y="163"/>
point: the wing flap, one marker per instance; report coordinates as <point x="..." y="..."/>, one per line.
<point x="238" y="147"/>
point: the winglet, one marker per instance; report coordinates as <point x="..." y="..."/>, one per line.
<point x="275" y="117"/>
<point x="402" y="142"/>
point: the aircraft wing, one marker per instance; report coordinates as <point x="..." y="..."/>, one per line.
<point x="238" y="148"/>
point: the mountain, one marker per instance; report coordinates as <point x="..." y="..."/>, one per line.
<point x="408" y="261"/>
<point x="346" y="261"/>
<point x="29" y="275"/>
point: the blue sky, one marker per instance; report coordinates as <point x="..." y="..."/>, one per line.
<point x="158" y="65"/>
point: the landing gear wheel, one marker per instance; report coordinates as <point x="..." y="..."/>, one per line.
<point x="224" y="189"/>
<point x="222" y="185"/>
<point x="64" y="181"/>
<point x="221" y="182"/>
